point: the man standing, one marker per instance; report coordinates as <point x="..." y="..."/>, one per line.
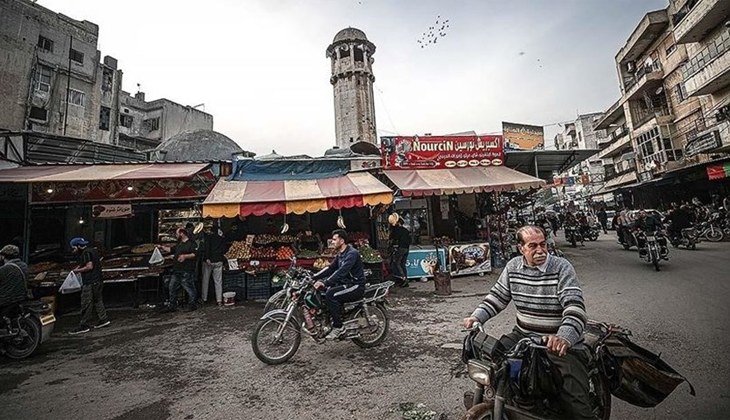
<point x="549" y="303"/>
<point x="213" y="250"/>
<point x="13" y="276"/>
<point x="92" y="286"/>
<point x="400" y="242"/>
<point x="183" y="269"/>
<point x="603" y="219"/>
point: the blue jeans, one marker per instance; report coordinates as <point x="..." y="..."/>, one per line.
<point x="187" y="282"/>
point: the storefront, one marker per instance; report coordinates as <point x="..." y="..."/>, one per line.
<point x="271" y="211"/>
<point x="452" y="192"/>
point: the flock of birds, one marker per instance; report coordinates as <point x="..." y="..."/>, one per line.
<point x="434" y="33"/>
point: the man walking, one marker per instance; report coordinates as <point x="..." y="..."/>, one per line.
<point x="213" y="250"/>
<point x="92" y="286"/>
<point x="400" y="242"/>
<point x="603" y="219"/>
<point x="183" y="269"/>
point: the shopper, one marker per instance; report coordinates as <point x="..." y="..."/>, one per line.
<point x="213" y="250"/>
<point x="183" y="269"/>
<point x="92" y="286"/>
<point x="400" y="241"/>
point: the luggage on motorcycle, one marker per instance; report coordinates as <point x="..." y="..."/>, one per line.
<point x="72" y="284"/>
<point x="479" y="345"/>
<point x="539" y="378"/>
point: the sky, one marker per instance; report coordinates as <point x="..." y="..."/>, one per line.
<point x="259" y="66"/>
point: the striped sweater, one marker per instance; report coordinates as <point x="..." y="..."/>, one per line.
<point x="548" y="298"/>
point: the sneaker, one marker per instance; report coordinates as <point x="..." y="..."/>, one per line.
<point x="403" y="284"/>
<point x="335" y="333"/>
<point x="79" y="330"/>
<point x="167" y="310"/>
<point x="102" y="324"/>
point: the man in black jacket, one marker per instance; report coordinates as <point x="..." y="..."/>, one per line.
<point x="92" y="286"/>
<point x="400" y="241"/>
<point x="345" y="280"/>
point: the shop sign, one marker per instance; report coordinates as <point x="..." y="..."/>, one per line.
<point x="111" y="211"/>
<point x="524" y="136"/>
<point x="470" y="259"/>
<point x="439" y="152"/>
<point x="422" y="262"/>
<point x="13" y="192"/>
<point x="707" y="142"/>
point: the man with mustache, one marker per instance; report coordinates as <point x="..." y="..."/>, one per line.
<point x="549" y="303"/>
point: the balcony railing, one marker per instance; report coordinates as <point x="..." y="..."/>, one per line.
<point x="683" y="12"/>
<point x="618" y="133"/>
<point x="614" y="173"/>
<point x="643" y="117"/>
<point x="654" y="67"/>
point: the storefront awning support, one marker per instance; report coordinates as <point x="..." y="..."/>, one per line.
<point x="26" y="224"/>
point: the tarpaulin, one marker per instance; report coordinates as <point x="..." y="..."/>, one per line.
<point x="461" y="180"/>
<point x="82" y="173"/>
<point x="277" y="170"/>
<point x="245" y="198"/>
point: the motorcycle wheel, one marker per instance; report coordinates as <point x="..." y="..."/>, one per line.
<point x="626" y="246"/>
<point x="27" y="341"/>
<point x="277" y="301"/>
<point x="694" y="247"/>
<point x="714" y="235"/>
<point x="481" y="411"/>
<point x="264" y="343"/>
<point x="656" y="263"/>
<point x="380" y="332"/>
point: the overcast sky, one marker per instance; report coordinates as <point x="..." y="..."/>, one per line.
<point x="259" y="66"/>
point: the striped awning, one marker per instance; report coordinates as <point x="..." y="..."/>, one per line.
<point x="246" y="198"/>
<point x="720" y="171"/>
<point x="461" y="180"/>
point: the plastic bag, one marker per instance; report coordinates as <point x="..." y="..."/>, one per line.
<point x="156" y="257"/>
<point x="72" y="284"/>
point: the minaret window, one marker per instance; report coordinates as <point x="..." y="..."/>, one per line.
<point x="359" y="56"/>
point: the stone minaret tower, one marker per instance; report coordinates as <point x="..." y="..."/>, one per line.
<point x="352" y="78"/>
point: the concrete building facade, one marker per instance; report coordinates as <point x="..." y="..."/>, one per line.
<point x="352" y="79"/>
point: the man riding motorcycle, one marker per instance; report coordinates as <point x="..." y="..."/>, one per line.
<point x="678" y="219"/>
<point x="647" y="224"/>
<point x="550" y="304"/>
<point x="345" y="280"/>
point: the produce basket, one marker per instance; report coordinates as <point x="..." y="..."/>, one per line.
<point x="235" y="282"/>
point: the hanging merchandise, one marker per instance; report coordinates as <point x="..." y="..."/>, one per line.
<point x="341" y="221"/>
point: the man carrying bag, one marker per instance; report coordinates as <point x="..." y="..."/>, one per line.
<point x="92" y="286"/>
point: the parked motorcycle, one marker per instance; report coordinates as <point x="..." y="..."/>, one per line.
<point x="653" y="250"/>
<point x="687" y="238"/>
<point x="23" y="327"/>
<point x="573" y="236"/>
<point x="278" y="334"/>
<point x="711" y="231"/>
<point x="594" y="232"/>
<point x="498" y="395"/>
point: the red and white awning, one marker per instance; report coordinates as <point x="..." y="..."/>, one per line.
<point x="461" y="180"/>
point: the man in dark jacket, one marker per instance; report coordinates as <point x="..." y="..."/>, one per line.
<point x="213" y="250"/>
<point x="184" y="265"/>
<point x="400" y="242"/>
<point x="345" y="280"/>
<point x="14" y="276"/>
<point x="92" y="286"/>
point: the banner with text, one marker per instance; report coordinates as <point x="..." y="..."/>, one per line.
<point x="438" y="152"/>
<point x="523" y="136"/>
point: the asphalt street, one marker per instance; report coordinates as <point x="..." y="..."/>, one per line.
<point x="200" y="365"/>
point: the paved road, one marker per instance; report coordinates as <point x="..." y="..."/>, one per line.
<point x="199" y="365"/>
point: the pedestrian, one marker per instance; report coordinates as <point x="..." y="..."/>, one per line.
<point x="400" y="242"/>
<point x="549" y="303"/>
<point x="92" y="286"/>
<point x="14" y="275"/>
<point x="183" y="269"/>
<point x="213" y="250"/>
<point x="603" y="219"/>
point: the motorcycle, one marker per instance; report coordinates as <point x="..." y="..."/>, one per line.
<point x="653" y="252"/>
<point x="594" y="232"/>
<point x="496" y="395"/>
<point x="550" y="239"/>
<point x="572" y="235"/>
<point x="687" y="238"/>
<point x="292" y="276"/>
<point x="626" y="238"/>
<point x="23" y="327"/>
<point x="710" y="231"/>
<point x="278" y="334"/>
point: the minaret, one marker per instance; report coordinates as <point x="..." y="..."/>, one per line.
<point x="352" y="79"/>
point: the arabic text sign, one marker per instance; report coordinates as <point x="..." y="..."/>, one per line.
<point x="523" y="135"/>
<point x="438" y="152"/>
<point x="111" y="211"/>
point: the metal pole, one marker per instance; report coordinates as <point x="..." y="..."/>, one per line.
<point x="68" y="85"/>
<point x="26" y="225"/>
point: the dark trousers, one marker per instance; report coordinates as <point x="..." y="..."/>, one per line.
<point x="91" y="302"/>
<point x="604" y="225"/>
<point x="398" y="264"/>
<point x="574" y="399"/>
<point x="338" y="295"/>
<point x="187" y="282"/>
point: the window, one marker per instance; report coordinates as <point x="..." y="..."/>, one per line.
<point x="104" y="116"/>
<point x="76" y="97"/>
<point x="43" y="76"/>
<point x="681" y="91"/>
<point x="45" y="43"/>
<point x="670" y="49"/>
<point x="76" y="56"/>
<point x="152" y="124"/>
<point x="107" y="79"/>
<point x="38" y="114"/>
<point x="126" y="120"/>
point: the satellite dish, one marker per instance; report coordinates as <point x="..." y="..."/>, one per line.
<point x="660" y="90"/>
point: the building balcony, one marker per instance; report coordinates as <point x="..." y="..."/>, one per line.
<point x="709" y="70"/>
<point x="613" y="114"/>
<point x="649" y="29"/>
<point x="647" y="78"/>
<point x="613" y="136"/>
<point x="658" y="116"/>
<point x="698" y="18"/>
<point x="615" y="148"/>
<point x="625" y="173"/>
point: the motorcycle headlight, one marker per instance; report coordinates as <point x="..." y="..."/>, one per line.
<point x="480" y="372"/>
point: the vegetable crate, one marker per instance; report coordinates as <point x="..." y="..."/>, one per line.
<point x="258" y="286"/>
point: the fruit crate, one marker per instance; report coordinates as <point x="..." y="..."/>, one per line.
<point x="258" y="286"/>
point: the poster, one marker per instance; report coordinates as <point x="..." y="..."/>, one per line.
<point x="111" y="211"/>
<point x="421" y="261"/>
<point x="439" y="152"/>
<point x="470" y="259"/>
<point x="524" y="136"/>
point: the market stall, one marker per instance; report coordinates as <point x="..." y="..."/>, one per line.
<point x="444" y="187"/>
<point x="288" y="208"/>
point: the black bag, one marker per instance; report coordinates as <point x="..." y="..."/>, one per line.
<point x="479" y="345"/>
<point x="539" y="378"/>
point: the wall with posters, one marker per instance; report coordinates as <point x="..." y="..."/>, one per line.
<point x="439" y="152"/>
<point x="523" y="135"/>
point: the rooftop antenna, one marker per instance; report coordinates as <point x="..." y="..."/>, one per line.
<point x="139" y="87"/>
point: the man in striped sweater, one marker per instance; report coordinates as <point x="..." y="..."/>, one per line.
<point x="549" y="303"/>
